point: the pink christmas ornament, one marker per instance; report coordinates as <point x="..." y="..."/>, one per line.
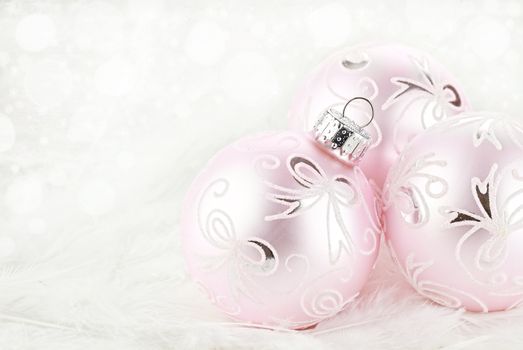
<point x="454" y="212"/>
<point x="408" y="89"/>
<point x="279" y="233"/>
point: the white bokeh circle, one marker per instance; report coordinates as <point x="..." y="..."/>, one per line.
<point x="98" y="26"/>
<point x="48" y="82"/>
<point x="489" y="39"/>
<point x="115" y="77"/>
<point x="24" y="195"/>
<point x="125" y="160"/>
<point x="36" y="226"/>
<point x="87" y="124"/>
<point x="249" y="79"/>
<point x="205" y="43"/>
<point x="97" y="197"/>
<point x="35" y="32"/>
<point x="7" y="246"/>
<point x="330" y="25"/>
<point x="7" y="133"/>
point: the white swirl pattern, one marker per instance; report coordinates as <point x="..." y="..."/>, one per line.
<point x="400" y="187"/>
<point x="442" y="294"/>
<point x="319" y="302"/>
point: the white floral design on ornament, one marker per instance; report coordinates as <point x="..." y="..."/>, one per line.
<point x="325" y="304"/>
<point x="487" y="126"/>
<point x="515" y="291"/>
<point x="496" y="220"/>
<point x="437" y="98"/>
<point x="401" y="187"/>
<point x="315" y="185"/>
<point x="438" y="292"/>
<point x="318" y="302"/>
<point x="443" y="95"/>
<point x="236" y="254"/>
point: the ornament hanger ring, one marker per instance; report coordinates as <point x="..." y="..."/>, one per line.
<point x="340" y="135"/>
<point x="364" y="99"/>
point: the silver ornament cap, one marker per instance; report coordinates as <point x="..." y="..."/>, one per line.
<point x="341" y="136"/>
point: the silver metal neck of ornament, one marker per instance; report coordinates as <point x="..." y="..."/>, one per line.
<point x="341" y="136"/>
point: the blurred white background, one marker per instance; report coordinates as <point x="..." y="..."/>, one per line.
<point x="109" y="109"/>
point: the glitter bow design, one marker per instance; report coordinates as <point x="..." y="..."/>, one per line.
<point x="444" y="95"/>
<point x="438" y="99"/>
<point x="315" y="185"/>
<point x="498" y="220"/>
<point x="244" y="259"/>
<point x="237" y="254"/>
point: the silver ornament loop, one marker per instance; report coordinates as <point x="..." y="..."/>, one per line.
<point x="341" y="136"/>
<point x="363" y="99"/>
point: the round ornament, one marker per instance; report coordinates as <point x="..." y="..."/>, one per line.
<point x="454" y="212"/>
<point x="279" y="233"/>
<point x="409" y="90"/>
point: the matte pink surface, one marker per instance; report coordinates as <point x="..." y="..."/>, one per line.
<point x="279" y="233"/>
<point x="409" y="90"/>
<point x="454" y="212"/>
